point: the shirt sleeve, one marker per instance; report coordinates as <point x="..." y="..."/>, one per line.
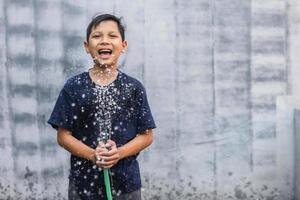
<point x="144" y="116"/>
<point x="64" y="113"/>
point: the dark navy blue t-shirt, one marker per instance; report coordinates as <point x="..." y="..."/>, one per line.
<point x="76" y="109"/>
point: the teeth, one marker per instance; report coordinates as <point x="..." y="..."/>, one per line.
<point x="104" y="51"/>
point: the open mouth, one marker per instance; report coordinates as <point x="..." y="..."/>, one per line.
<point x="104" y="53"/>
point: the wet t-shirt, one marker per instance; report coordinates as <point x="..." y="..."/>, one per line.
<point x="81" y="106"/>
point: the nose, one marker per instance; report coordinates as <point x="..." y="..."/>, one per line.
<point x="104" y="41"/>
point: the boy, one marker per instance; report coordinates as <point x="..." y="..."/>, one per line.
<point x="103" y="94"/>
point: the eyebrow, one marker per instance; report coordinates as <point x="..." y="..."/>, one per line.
<point x="108" y="32"/>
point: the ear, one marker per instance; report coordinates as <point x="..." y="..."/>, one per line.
<point x="124" y="45"/>
<point x="86" y="46"/>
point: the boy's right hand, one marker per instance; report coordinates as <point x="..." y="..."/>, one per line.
<point x="107" y="155"/>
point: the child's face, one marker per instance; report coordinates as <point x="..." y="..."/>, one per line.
<point x="105" y="43"/>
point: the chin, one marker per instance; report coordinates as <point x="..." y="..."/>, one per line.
<point x="107" y="64"/>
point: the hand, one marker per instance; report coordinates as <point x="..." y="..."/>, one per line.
<point x="107" y="155"/>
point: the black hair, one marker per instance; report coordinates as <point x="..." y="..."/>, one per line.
<point x="105" y="17"/>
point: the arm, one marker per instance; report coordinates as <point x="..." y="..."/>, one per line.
<point x="111" y="157"/>
<point x="74" y="146"/>
<point x="136" y="145"/>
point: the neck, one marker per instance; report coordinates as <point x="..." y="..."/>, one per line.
<point x="105" y="70"/>
<point x="104" y="75"/>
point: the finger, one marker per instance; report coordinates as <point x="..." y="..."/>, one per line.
<point x="108" y="164"/>
<point x="107" y="167"/>
<point x="108" y="153"/>
<point x="111" y="142"/>
<point x="110" y="145"/>
<point x="100" y="151"/>
<point x="110" y="158"/>
<point x="101" y="148"/>
<point x="105" y="164"/>
<point x="98" y="160"/>
<point x="99" y="164"/>
<point x="102" y="161"/>
<point x="101" y="144"/>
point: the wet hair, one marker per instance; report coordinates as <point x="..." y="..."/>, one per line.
<point x="105" y="17"/>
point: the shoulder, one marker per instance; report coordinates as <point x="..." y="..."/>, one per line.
<point x="76" y="82"/>
<point x="78" y="79"/>
<point x="131" y="82"/>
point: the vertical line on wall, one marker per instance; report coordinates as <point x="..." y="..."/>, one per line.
<point x="66" y="168"/>
<point x="37" y="87"/>
<point x="63" y="59"/>
<point x="8" y="91"/>
<point x="7" y="109"/>
<point x="250" y="91"/>
<point x="213" y="9"/>
<point x="176" y="88"/>
<point x="142" y="68"/>
<point x="288" y="80"/>
<point x="295" y="184"/>
<point x="114" y="8"/>
<point x="143" y="79"/>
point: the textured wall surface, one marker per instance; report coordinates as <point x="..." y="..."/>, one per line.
<point x="217" y="73"/>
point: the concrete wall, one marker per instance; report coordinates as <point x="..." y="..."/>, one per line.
<point x="297" y="153"/>
<point x="217" y="73"/>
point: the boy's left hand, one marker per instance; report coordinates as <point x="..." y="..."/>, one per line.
<point x="108" y="154"/>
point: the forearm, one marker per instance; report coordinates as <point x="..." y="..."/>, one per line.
<point x="136" y="145"/>
<point x="74" y="146"/>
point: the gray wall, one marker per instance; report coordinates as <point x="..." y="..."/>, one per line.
<point x="222" y="78"/>
<point x="297" y="153"/>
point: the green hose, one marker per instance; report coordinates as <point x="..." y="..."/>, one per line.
<point x="107" y="184"/>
